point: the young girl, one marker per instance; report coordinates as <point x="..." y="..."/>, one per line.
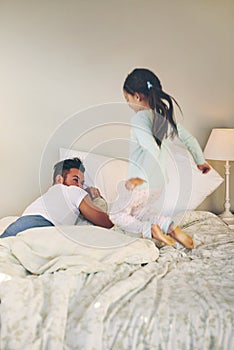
<point x="134" y="212"/>
<point x="151" y="126"/>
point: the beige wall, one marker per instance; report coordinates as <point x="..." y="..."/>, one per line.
<point x="62" y="57"/>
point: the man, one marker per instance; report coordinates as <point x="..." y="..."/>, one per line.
<point x="63" y="202"/>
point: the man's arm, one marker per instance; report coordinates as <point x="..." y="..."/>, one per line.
<point x="94" y="214"/>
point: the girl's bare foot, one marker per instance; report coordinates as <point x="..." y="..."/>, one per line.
<point x="160" y="236"/>
<point x="181" y="237"/>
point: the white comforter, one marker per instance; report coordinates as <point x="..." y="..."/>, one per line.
<point x="84" y="289"/>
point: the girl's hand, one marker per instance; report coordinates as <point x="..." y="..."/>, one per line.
<point x="133" y="182"/>
<point x="205" y="168"/>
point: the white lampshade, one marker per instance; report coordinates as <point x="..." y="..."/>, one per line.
<point x="220" y="145"/>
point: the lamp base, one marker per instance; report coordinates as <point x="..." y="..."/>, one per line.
<point x="228" y="218"/>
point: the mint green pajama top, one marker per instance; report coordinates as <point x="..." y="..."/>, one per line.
<point x="146" y="159"/>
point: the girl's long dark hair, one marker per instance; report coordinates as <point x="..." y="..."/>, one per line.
<point x="147" y="83"/>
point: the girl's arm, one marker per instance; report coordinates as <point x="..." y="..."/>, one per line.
<point x="141" y="127"/>
<point x="194" y="148"/>
<point x="144" y="151"/>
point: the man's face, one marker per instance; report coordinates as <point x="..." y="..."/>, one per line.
<point x="74" y="178"/>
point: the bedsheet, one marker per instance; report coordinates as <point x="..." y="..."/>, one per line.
<point x="174" y="299"/>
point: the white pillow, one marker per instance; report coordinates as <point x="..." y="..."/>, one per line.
<point x="102" y="172"/>
<point x="187" y="186"/>
<point x="186" y="189"/>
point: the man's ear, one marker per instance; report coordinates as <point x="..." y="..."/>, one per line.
<point x="59" y="180"/>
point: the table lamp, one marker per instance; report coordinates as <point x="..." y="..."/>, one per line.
<point x="220" y="146"/>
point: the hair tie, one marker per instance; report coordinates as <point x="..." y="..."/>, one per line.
<point x="149" y="85"/>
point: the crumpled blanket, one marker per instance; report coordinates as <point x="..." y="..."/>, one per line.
<point x="86" y="248"/>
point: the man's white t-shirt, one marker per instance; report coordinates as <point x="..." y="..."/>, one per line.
<point x="60" y="204"/>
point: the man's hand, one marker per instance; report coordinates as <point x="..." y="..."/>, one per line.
<point x="93" y="192"/>
<point x="205" y="168"/>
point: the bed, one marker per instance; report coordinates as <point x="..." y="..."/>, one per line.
<point x="87" y="287"/>
<point x="117" y="293"/>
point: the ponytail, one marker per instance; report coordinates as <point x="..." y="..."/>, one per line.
<point x="163" y="114"/>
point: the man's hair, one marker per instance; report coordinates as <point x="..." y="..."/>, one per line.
<point x="63" y="167"/>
